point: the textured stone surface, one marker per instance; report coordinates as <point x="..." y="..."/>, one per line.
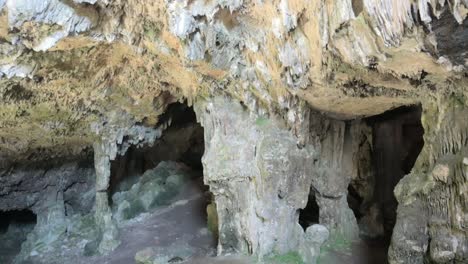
<point x="98" y="74"/>
<point x="154" y="188"/>
<point x="57" y="194"/>
<point x="264" y="54"/>
<point x="258" y="181"/>
<point x="32" y="186"/>
<point x="432" y="210"/>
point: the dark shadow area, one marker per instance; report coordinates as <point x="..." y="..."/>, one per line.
<point x="14" y="228"/>
<point x="163" y="184"/>
<point x="358" y="7"/>
<point x="451" y="37"/>
<point x="182" y="141"/>
<point x="354" y="202"/>
<point x="310" y="214"/>
<point x="397" y="140"/>
<point x="16" y="217"/>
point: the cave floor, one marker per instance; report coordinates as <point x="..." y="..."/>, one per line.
<point x="179" y="231"/>
<point x="368" y="251"/>
<point x="179" y="227"/>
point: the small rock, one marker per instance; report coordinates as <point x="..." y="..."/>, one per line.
<point x="175" y="260"/>
<point x="317" y="234"/>
<point x="144" y="256"/>
<point x="441" y="173"/>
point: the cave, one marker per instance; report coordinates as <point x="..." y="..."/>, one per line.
<point x="397" y="140"/>
<point x="165" y="180"/>
<point x="182" y="141"/>
<point x="324" y="126"/>
<point x="310" y="214"/>
<point x="14" y="228"/>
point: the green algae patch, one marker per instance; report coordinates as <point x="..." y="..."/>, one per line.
<point x="261" y="121"/>
<point x="212" y="218"/>
<point x="337" y="243"/>
<point x="288" y="258"/>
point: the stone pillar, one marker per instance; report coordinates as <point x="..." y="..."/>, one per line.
<point x="259" y="176"/>
<point x="332" y="178"/>
<point x="103" y="214"/>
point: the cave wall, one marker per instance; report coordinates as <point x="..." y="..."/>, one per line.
<point x="37" y="186"/>
<point x="55" y="192"/>
<point x="100" y="74"/>
<point x="432" y="211"/>
<point x="262" y="175"/>
<point x="334" y="171"/>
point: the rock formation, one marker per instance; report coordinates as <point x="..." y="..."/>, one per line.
<point x="323" y="124"/>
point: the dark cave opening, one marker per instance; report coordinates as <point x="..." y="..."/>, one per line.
<point x="168" y="176"/>
<point x="16" y="217"/>
<point x="311" y="213"/>
<point x="397" y="140"/>
<point x="182" y="141"/>
<point x="15" y="225"/>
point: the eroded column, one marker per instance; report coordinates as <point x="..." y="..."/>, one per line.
<point x="103" y="213"/>
<point x="332" y="178"/>
<point x="258" y="175"/>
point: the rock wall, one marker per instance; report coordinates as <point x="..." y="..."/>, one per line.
<point x="432" y="211"/>
<point x="99" y="74"/>
<point x="259" y="176"/>
<point x="336" y="165"/>
<point x="33" y="186"/>
<point x="54" y="193"/>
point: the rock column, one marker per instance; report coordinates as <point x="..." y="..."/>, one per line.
<point x="259" y="176"/>
<point x="103" y="213"/>
<point x="333" y="176"/>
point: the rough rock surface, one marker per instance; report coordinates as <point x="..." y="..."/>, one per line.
<point x="432" y="212"/>
<point x="245" y="163"/>
<point x="31" y="186"/>
<point x="279" y="86"/>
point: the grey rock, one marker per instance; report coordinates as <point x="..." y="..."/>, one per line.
<point x="258" y="181"/>
<point x="156" y="187"/>
<point x="13" y="70"/>
<point x="315" y="237"/>
<point x="47" y="12"/>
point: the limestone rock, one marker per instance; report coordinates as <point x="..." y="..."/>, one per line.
<point x="258" y="181"/>
<point x="156" y="187"/>
<point x="279" y="86"/>
<point x="315" y="237"/>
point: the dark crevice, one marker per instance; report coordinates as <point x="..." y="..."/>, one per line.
<point x="15" y="225"/>
<point x="397" y="140"/>
<point x="354" y="201"/>
<point x="451" y="38"/>
<point x="16" y="217"/>
<point x="311" y="213"/>
<point x="358" y="7"/>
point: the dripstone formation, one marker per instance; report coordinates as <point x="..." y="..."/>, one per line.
<point x="282" y="131"/>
